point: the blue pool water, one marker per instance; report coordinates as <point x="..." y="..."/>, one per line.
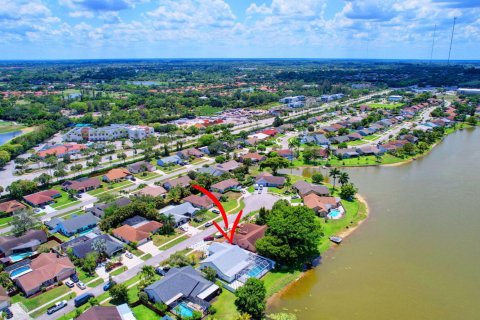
<point x="254" y="272"/>
<point x="85" y="232"/>
<point x="20" y="256"/>
<point x="19" y="271"/>
<point x="4" y="137"/>
<point x="183" y="310"/>
<point x="334" y="214"/>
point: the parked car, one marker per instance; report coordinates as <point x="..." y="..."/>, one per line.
<point x="218" y="236"/>
<point x="70" y="284"/>
<point x="8" y="313"/>
<point x="133" y="179"/>
<point x="108" y="285"/>
<point x="196" y="219"/>
<point x="209" y="238"/>
<point x="37" y="210"/>
<point x="160" y="271"/>
<point x="208" y="224"/>
<point x="74" y="278"/>
<point x="256" y="186"/>
<point x="295" y="196"/>
<point x="129" y="255"/>
<point x="81" y="285"/>
<point x="79" y="196"/>
<point x="216" y="211"/>
<point x="57" y="306"/>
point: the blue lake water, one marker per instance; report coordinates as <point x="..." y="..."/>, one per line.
<point x="4" y="137"/>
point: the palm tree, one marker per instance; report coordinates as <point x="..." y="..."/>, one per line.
<point x="343" y="178"/>
<point x="100" y="246"/>
<point x="334" y="173"/>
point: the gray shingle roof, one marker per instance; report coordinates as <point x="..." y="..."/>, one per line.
<point x="228" y="259"/>
<point x="78" y="222"/>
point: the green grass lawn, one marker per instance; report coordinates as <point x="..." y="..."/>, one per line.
<point x="277" y="280"/>
<point x="61" y="237"/>
<point x="118" y="271"/>
<point x="276" y="190"/>
<point x="11" y="128"/>
<point x="85" y="277"/>
<point x="390" y="105"/>
<point x="225" y="306"/>
<point x="147" y="175"/>
<point x="355" y="143"/>
<point x="111" y="187"/>
<point x="171" y="168"/>
<point x="207" y="216"/>
<point x="160" y="239"/>
<point x="41" y="299"/>
<point x="63" y="201"/>
<point x="5" y="220"/>
<point x="207" y="110"/>
<point x="146" y="257"/>
<point x="371" y="137"/>
<point x="143" y="313"/>
<point x="174" y="242"/>
<point x="41" y="311"/>
<point x="96" y="283"/>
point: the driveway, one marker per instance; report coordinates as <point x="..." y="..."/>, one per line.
<point x="18" y="312"/>
<point x="149" y="247"/>
<point x="130" y="263"/>
<point x="256" y="201"/>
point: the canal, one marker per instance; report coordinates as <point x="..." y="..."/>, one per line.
<point x="418" y="254"/>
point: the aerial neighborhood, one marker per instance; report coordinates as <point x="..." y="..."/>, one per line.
<point x="102" y="218"/>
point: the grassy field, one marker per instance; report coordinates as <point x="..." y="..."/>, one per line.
<point x="225" y="306"/>
<point x="174" y="242"/>
<point x="159" y="239"/>
<point x="63" y="201"/>
<point x="147" y="175"/>
<point x="207" y="110"/>
<point x="391" y="105"/>
<point x="118" y="271"/>
<point x="9" y="126"/>
<point x="111" y="187"/>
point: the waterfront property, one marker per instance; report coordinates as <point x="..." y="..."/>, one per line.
<point x="304" y="188"/>
<point x="324" y="206"/>
<point x="44" y="271"/>
<point x="266" y="179"/>
<point x="235" y="265"/>
<point x="247" y="234"/>
<point x="183" y="288"/>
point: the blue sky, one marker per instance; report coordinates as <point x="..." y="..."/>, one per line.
<point x="383" y="29"/>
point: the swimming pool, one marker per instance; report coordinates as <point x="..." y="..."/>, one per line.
<point x="20" y="271"/>
<point x="85" y="232"/>
<point x="183" y="310"/>
<point x="334" y="214"/>
<point x="255" y="271"/>
<point x="19" y="256"/>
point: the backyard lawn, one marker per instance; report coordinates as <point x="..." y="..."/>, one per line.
<point x="143" y="313"/>
<point x="225" y="306"/>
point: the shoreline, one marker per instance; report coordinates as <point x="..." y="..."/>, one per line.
<point x="346" y="232"/>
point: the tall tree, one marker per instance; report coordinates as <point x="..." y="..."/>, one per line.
<point x="23" y="221"/>
<point x="334" y="173"/>
<point x="343" y="178"/>
<point x="251" y="298"/>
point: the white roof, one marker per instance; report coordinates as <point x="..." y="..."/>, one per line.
<point x="207" y="292"/>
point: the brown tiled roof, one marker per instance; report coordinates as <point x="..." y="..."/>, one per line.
<point x="11" y="206"/>
<point x="312" y="201"/>
<point x="270" y="179"/>
<point x="247" y="234"/>
<point x="153" y="191"/>
<point x="117" y="173"/>
<point x="130" y="233"/>
<point x="150" y="226"/>
<point x="45" y="267"/>
<point x="198" y="201"/>
<point x="253" y="156"/>
<point x="100" y="313"/>
<point x="225" y="184"/>
<point x="180" y="181"/>
<point x="82" y="184"/>
<point x="41" y="197"/>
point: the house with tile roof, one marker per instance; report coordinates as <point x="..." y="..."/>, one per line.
<point x="61" y="150"/>
<point x="116" y="175"/>
<point x="225" y="185"/>
<point x="11" y="207"/>
<point x="45" y="270"/>
<point x="247" y="234"/>
<point x="42" y="198"/>
<point x="152" y="191"/>
<point x="201" y="202"/>
<point x="180" y="181"/>
<point x="81" y="185"/>
<point x="139" y="234"/>
<point x="140" y="166"/>
<point x="321" y="205"/>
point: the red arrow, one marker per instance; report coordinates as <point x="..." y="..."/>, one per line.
<point x="224" y="214"/>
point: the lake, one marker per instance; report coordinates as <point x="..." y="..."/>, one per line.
<point x="4" y="137"/>
<point x="417" y="256"/>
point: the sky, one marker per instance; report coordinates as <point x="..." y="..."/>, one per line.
<point x="108" y="29"/>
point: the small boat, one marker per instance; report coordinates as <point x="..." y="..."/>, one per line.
<point x="336" y="239"/>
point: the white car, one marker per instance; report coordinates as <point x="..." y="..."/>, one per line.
<point x="128" y="255"/>
<point x="70" y="284"/>
<point x="81" y="285"/>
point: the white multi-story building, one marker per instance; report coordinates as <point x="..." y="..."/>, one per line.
<point x="110" y="133"/>
<point x="468" y="91"/>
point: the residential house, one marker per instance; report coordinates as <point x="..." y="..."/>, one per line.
<point x="233" y="263"/>
<point x="74" y="225"/>
<point x="182" y="213"/>
<point x="42" y="198"/>
<point x="228" y="166"/>
<point x="355" y="136"/>
<point x="339" y="139"/>
<point x="225" y="185"/>
<point x="120" y="312"/>
<point x="152" y="191"/>
<point x="247" y="234"/>
<point x="190" y="152"/>
<point x="83" y="245"/>
<point x="138" y="233"/>
<point x="98" y="209"/>
<point x="116" y="175"/>
<point x="46" y="270"/>
<point x="182" y="285"/>
<point x="321" y="205"/>
<point x="182" y="182"/>
<point x="370" y="151"/>
<point x="26" y="243"/>
<point x="81" y="185"/>
<point x="286" y="153"/>
<point x="214" y="171"/>
<point x="170" y="160"/>
<point x="255" y="157"/>
<point x="318" y="139"/>
<point x="266" y="179"/>
<point x="346" y="153"/>
<point x="141" y="166"/>
<point x="304" y="188"/>
<point x="201" y="202"/>
<point x="270" y="132"/>
<point x="11" y="207"/>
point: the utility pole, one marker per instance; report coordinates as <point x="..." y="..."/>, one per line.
<point x="433" y="43"/>
<point x="451" y="40"/>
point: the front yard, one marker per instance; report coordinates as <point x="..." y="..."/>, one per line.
<point x="42" y="298"/>
<point x="106" y="187"/>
